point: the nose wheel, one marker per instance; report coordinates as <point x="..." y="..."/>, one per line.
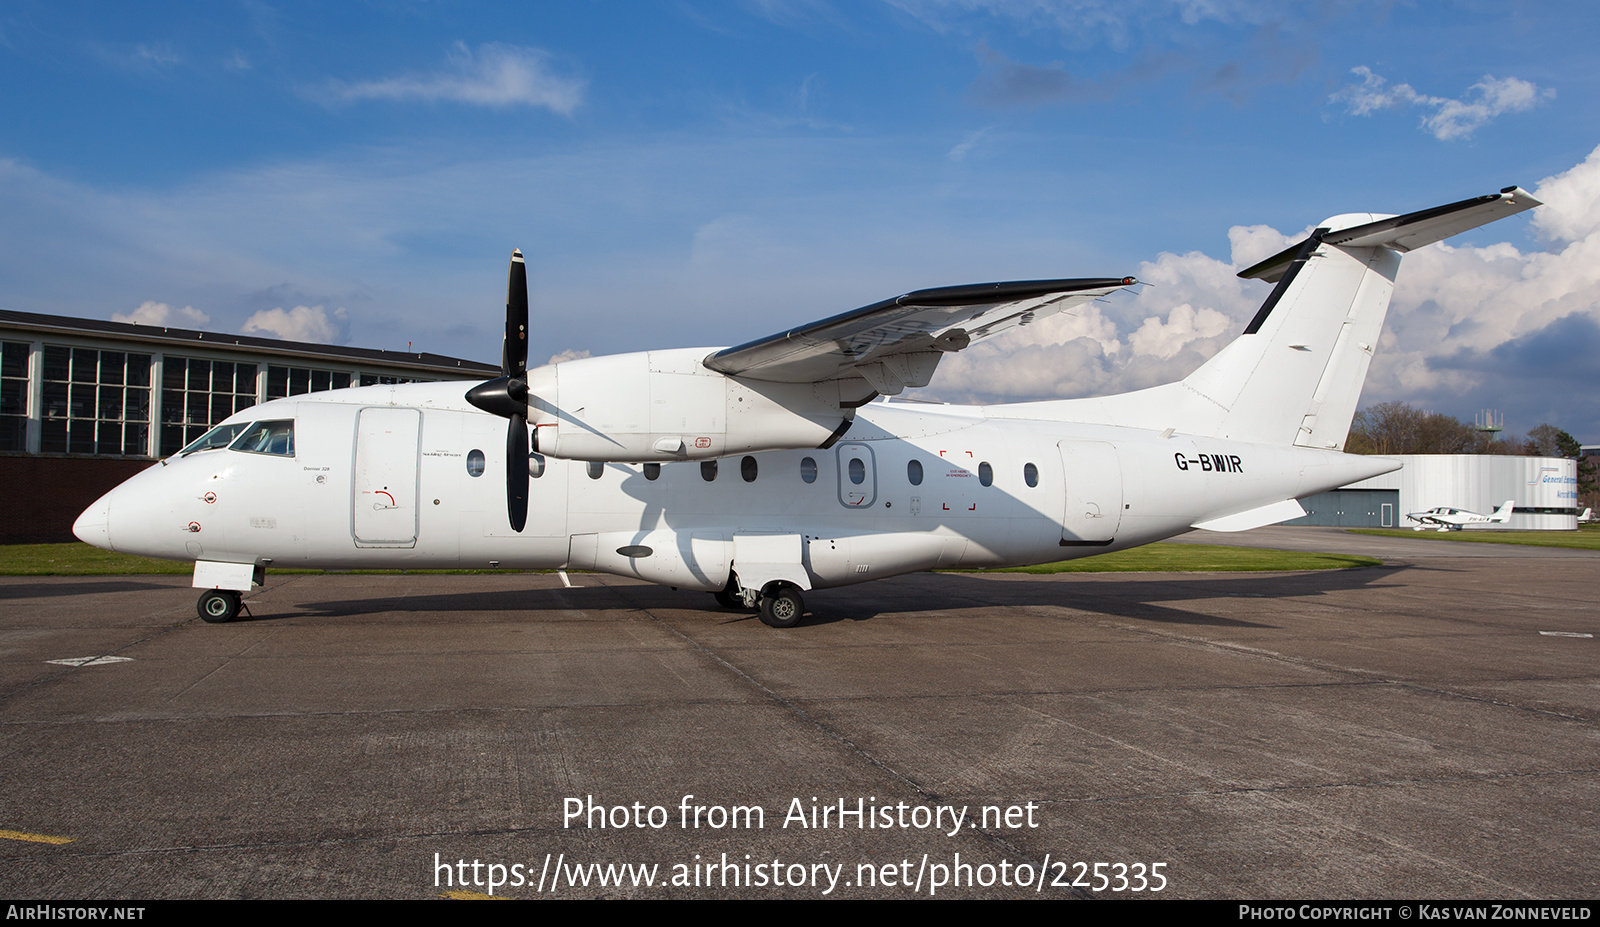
<point x="219" y="605"/>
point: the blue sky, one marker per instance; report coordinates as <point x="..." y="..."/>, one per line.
<point x="696" y="173"/>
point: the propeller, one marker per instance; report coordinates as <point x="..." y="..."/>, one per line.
<point x="507" y="394"/>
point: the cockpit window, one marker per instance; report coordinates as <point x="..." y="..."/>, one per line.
<point x="220" y="436"/>
<point x="267" y="438"/>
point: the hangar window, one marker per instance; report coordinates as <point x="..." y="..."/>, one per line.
<point x="985" y="474"/>
<point x="914" y="472"/>
<point x="708" y="470"/>
<point x="14" y="396"/>
<point x="1030" y="475"/>
<point x="652" y="471"/>
<point x="858" y="471"/>
<point x="384" y="379"/>
<point x="275" y="438"/>
<point x="198" y="393"/>
<point x="808" y="469"/>
<point x="294" y="381"/>
<point x="747" y="469"/>
<point x="595" y="469"/>
<point x="475" y="462"/>
<point x="98" y="402"/>
<point x="536" y="465"/>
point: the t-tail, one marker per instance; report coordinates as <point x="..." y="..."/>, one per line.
<point x="1294" y="376"/>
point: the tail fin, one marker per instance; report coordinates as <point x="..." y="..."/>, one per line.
<point x="1295" y="375"/>
<point x="1503" y="513"/>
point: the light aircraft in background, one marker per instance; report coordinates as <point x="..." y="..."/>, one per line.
<point x="761" y="471"/>
<point x="1445" y="518"/>
<point x="1586" y="516"/>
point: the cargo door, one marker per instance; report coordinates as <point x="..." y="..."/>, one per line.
<point x="1092" y="474"/>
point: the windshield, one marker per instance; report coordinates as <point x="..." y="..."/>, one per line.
<point x="267" y="438"/>
<point x="220" y="436"/>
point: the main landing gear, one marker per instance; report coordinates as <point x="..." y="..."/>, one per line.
<point x="779" y="603"/>
<point x="219" y="605"/>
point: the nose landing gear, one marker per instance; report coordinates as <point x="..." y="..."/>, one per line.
<point x="219" y="605"/>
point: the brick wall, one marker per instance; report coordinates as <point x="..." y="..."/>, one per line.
<point x="40" y="497"/>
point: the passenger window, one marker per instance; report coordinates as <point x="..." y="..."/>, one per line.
<point x="1030" y="475"/>
<point x="808" y="470"/>
<point x="985" y="474"/>
<point x="536" y="465"/>
<point x="475" y="462"/>
<point x="652" y="471"/>
<point x="747" y="469"/>
<point x="275" y="438"/>
<point x="595" y="469"/>
<point x="914" y="472"/>
<point x="708" y="470"/>
<point x="858" y="471"/>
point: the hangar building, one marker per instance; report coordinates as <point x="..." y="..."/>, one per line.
<point x="86" y="404"/>
<point x="1544" y="491"/>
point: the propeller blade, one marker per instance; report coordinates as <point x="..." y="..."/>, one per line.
<point x="514" y="355"/>
<point x="517" y="472"/>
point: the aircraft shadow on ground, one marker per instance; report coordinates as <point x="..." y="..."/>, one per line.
<point x="84" y="586"/>
<point x="1138" y="597"/>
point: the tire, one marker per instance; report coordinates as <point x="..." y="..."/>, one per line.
<point x="218" y="605"/>
<point x="782" y="607"/>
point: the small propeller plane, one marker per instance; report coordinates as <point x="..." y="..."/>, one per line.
<point x="760" y="471"/>
<point x="1445" y="518"/>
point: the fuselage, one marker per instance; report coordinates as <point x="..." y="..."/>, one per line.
<point x="411" y="476"/>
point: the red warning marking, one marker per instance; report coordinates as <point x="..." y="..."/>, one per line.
<point x="391" y="498"/>
<point x="973" y="507"/>
<point x="210" y="497"/>
<point x="702" y="442"/>
<point x="947" y="506"/>
<point x="194" y="527"/>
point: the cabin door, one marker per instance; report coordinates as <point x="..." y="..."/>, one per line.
<point x="385" y="491"/>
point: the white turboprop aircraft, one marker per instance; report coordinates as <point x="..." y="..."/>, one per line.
<point x="759" y="471"/>
<point x="1445" y="518"/>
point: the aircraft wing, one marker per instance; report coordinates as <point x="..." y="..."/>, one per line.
<point x="898" y="342"/>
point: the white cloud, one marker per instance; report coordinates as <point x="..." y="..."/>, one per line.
<point x="568" y="354"/>
<point x="1449" y="118"/>
<point x="495" y="75"/>
<point x="302" y="323"/>
<point x="154" y="313"/>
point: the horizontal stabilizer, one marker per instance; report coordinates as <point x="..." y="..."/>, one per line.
<point x="1408" y="232"/>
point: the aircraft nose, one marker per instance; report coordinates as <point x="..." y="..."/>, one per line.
<point x="94" y="525"/>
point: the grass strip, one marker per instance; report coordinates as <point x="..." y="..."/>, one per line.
<point x="1583" y="539"/>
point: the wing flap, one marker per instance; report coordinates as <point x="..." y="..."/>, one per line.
<point x="899" y="341"/>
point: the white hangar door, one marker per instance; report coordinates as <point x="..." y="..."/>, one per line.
<point x="385" y="492"/>
<point x="1092" y="474"/>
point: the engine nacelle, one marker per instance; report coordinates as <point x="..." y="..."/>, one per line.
<point x="666" y="405"/>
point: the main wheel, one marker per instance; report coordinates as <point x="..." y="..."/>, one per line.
<point x="218" y="605"/>
<point x="782" y="607"/>
<point x="727" y="599"/>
